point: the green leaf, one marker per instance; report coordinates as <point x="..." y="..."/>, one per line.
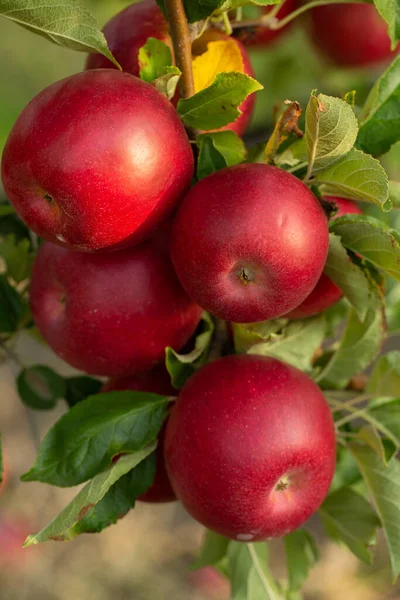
<point x="40" y="387"/>
<point x="380" y="118"/>
<point x="218" y="150"/>
<point x="182" y="366"/>
<point x="394" y="193"/>
<point x="390" y="12"/>
<point x="331" y="130"/>
<point x="372" y="240"/>
<point x="12" y="307"/>
<point x="196" y="10"/>
<point x="301" y="556"/>
<point x="153" y="57"/>
<point x="249" y="573"/>
<point x="64" y="22"/>
<point x="120" y="498"/>
<point x="80" y="387"/>
<point x="84" y="441"/>
<point x="166" y="84"/>
<point x="296" y="344"/>
<point x="387" y="413"/>
<point x="17" y="256"/>
<point x="295" y="155"/>
<point x="383" y="484"/>
<point x="357" y="176"/>
<point x="385" y="378"/>
<point x="247" y="334"/>
<point x="217" y="105"/>
<point x="6" y="209"/>
<point x="360" y="344"/>
<point x="350" y="98"/>
<point x="63" y="527"/>
<point x="349" y="518"/>
<point x="214" y="549"/>
<point x="347" y="276"/>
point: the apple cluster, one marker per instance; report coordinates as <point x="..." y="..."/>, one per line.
<point x="99" y="166"/>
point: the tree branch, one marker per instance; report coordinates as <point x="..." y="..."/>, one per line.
<point x="181" y="41"/>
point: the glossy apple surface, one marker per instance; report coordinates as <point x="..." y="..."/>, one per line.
<point x="326" y="293"/>
<point x="110" y="314"/>
<point x="156" y="381"/>
<point x="96" y="161"/>
<point x="249" y="243"/>
<point x="250" y="447"/>
<point x="351" y="35"/>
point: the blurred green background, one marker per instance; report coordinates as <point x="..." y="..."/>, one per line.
<point x="146" y="556"/>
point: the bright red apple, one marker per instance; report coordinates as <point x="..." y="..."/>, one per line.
<point x="249" y="243"/>
<point x="156" y="381"/>
<point x="129" y="30"/>
<point x="351" y="35"/>
<point x="110" y="314"/>
<point x="96" y="161"/>
<point x="326" y="293"/>
<point x="250" y="447"/>
<point x="264" y="36"/>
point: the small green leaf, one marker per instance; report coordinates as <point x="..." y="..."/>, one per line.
<point x="394" y="193"/>
<point x="62" y="528"/>
<point x="357" y="176"/>
<point x="214" y="549"/>
<point x="331" y="130"/>
<point x="295" y="155"/>
<point x="383" y="484"/>
<point x="120" y="498"/>
<point x="347" y="276"/>
<point x="80" y="387"/>
<point x="93" y="432"/>
<point x="301" y="556"/>
<point x="247" y="335"/>
<point x="17" y="256"/>
<point x="369" y="435"/>
<point x="380" y="119"/>
<point x="166" y="84"/>
<point x="350" y="98"/>
<point x="390" y="12"/>
<point x="40" y="387"/>
<point x="64" y="22"/>
<point x="12" y="307"/>
<point x="387" y="413"/>
<point x="385" y="378"/>
<point x="182" y="366"/>
<point x="217" y="105"/>
<point x="153" y="57"/>
<point x="372" y="240"/>
<point x="349" y="518"/>
<point x="296" y="344"/>
<point x="248" y="571"/>
<point x="218" y="150"/>
<point x="360" y="344"/>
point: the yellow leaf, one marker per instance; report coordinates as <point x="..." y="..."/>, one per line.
<point x="221" y="56"/>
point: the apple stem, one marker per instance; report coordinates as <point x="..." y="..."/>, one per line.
<point x="182" y="43"/>
<point x="270" y="21"/>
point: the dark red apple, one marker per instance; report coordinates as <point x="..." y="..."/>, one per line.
<point x="250" y="447"/>
<point x="326" y="293"/>
<point x="264" y="36"/>
<point x="249" y="242"/>
<point x="110" y="314"/>
<point x="156" y="381"/>
<point x="96" y="161"/>
<point x="129" y="30"/>
<point x="351" y="35"/>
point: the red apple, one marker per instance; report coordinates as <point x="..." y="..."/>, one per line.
<point x="264" y="36"/>
<point x="129" y="30"/>
<point x="250" y="447"/>
<point x="211" y="583"/>
<point x="351" y="35"/>
<point x="110" y="314"/>
<point x="96" y="161"/>
<point x="326" y="293"/>
<point x="156" y="381"/>
<point x="249" y="242"/>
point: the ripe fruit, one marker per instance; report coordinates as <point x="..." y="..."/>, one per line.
<point x="249" y="242"/>
<point x="250" y="447"/>
<point x="88" y="162"/>
<point x="264" y="36"/>
<point x="351" y="35"/>
<point x="157" y="381"/>
<point x="129" y="30"/>
<point x="110" y="314"/>
<point x="326" y="293"/>
<point x="210" y="583"/>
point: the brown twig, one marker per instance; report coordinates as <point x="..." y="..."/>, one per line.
<point x="181" y="41"/>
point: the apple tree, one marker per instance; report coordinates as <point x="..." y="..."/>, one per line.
<point x="226" y="304"/>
